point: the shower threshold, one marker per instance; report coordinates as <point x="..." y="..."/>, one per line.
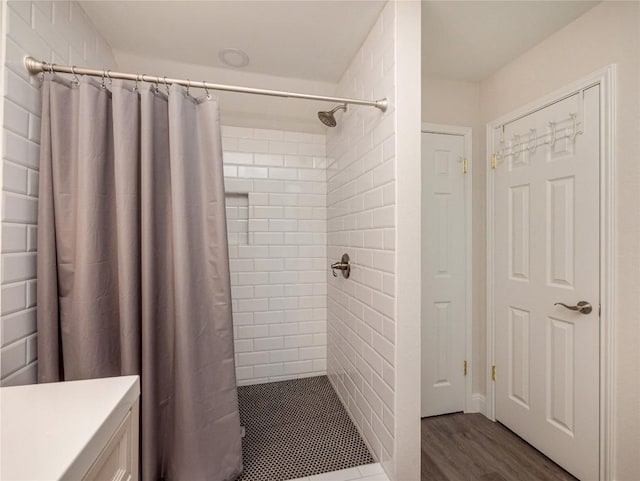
<point x="295" y="429"/>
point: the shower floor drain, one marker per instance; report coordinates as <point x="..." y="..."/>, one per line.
<point x="295" y="429"/>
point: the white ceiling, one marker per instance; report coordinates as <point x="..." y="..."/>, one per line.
<point x="299" y="39"/>
<point x="306" y="45"/>
<point x="316" y="39"/>
<point x="470" y="40"/>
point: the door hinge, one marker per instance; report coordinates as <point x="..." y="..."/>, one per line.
<point x="494" y="160"/>
<point x="493" y="372"/>
<point x="465" y="166"/>
<point x="464" y="368"/>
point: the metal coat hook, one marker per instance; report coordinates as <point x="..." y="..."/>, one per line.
<point x="575" y="132"/>
<point x="514" y="152"/>
<point x="552" y="126"/>
<point x="500" y="153"/>
<point x="533" y="141"/>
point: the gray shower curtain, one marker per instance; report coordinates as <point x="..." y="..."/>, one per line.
<point x="133" y="269"/>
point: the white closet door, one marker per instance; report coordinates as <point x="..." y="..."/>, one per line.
<point x="546" y="252"/>
<point x="443" y="274"/>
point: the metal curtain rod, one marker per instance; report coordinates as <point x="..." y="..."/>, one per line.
<point x="36" y="66"/>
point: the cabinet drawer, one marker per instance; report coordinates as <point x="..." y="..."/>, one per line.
<point x="115" y="462"/>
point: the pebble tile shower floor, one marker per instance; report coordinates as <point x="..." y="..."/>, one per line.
<point x="295" y="429"/>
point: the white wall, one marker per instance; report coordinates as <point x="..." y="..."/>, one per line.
<point x="242" y="110"/>
<point x="608" y="33"/>
<point x="54" y="31"/>
<point x="449" y="101"/>
<point x="276" y="212"/>
<point x="408" y="241"/>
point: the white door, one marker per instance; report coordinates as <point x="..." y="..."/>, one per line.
<point x="546" y="237"/>
<point x="443" y="273"/>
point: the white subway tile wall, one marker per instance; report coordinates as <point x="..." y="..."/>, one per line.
<point x="276" y="219"/>
<point x="361" y="222"/>
<point x="60" y="32"/>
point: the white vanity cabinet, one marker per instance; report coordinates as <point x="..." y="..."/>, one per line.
<point x="118" y="459"/>
<point x="78" y="430"/>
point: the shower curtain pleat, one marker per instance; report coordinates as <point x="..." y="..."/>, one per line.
<point x="133" y="269"/>
<point x="197" y="191"/>
<point x="126" y="165"/>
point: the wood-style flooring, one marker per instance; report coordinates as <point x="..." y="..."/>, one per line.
<point x="466" y="447"/>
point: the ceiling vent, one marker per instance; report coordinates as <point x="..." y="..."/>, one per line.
<point x="234" y="57"/>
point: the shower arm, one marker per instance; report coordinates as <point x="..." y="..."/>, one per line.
<point x="35" y="66"/>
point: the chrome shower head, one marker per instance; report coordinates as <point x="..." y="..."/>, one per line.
<point x="328" y="118"/>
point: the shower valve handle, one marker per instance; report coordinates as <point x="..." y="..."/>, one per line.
<point x="344" y="265"/>
<point x="339" y="265"/>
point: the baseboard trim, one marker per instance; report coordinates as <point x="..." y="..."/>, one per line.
<point x="478" y="404"/>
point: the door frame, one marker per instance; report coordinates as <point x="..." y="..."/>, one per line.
<point x="466" y="133"/>
<point x="606" y="79"/>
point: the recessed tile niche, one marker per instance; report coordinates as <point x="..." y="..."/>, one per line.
<point x="237" y="218"/>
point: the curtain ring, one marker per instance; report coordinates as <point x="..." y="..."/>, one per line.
<point x="103" y="85"/>
<point x="140" y="78"/>
<point x="51" y="68"/>
<point x="206" y="90"/>
<point x="156" y="89"/>
<point x="188" y="85"/>
<point x="166" y="84"/>
<point x="109" y="77"/>
<point x="135" y="87"/>
<point x="76" y="80"/>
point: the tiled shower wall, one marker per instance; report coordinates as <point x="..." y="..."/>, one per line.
<point x="54" y="31"/>
<point x="276" y="212"/>
<point x="361" y="222"/>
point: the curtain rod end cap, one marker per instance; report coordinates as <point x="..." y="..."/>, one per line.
<point x="32" y="65"/>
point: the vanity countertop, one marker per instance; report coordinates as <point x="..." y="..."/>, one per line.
<point x="53" y="431"/>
